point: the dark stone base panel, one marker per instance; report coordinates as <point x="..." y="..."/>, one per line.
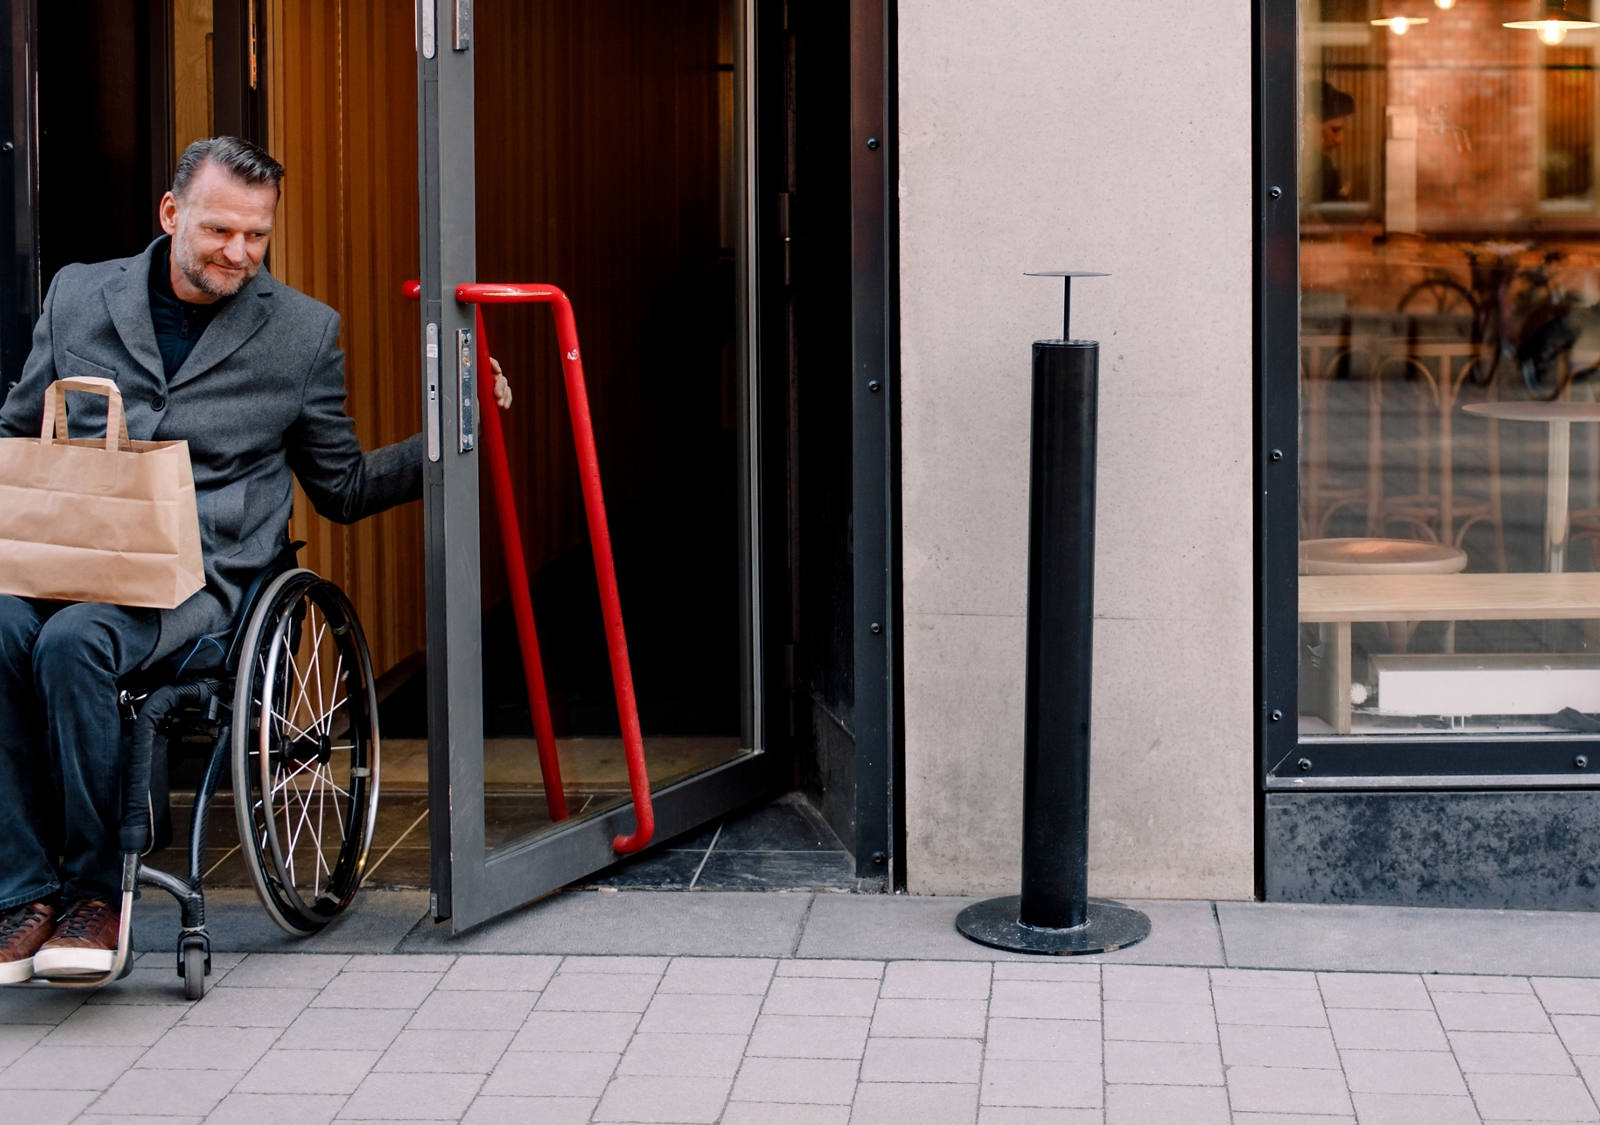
<point x="1526" y="850"/>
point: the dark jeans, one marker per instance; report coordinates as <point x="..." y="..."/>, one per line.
<point x="61" y="744"/>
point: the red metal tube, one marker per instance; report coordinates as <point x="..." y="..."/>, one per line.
<point x="599" y="536"/>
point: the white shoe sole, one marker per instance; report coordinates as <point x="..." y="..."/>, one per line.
<point x="73" y="962"/>
<point x="15" y="972"/>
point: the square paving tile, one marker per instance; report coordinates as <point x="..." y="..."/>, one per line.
<point x="1306" y="1047"/>
<point x="922" y="1060"/>
<point x="445" y="1052"/>
<point x="1164" y="1105"/>
<point x="496" y="972"/>
<point x="1260" y="1089"/>
<point x="689" y="1101"/>
<point x="1162" y="1064"/>
<point x="552" y="1074"/>
<point x="68" y="1068"/>
<point x="1414" y="1109"/>
<point x="1042" y="1040"/>
<point x="413" y="1097"/>
<point x="1374" y="1030"/>
<point x="936" y="980"/>
<point x="1402" y="1072"/>
<point x="685" y="1055"/>
<point x="1165" y="1023"/>
<point x="576" y="1031"/>
<point x="1532" y="1097"/>
<point x="809" y="1037"/>
<point x="963" y="1019"/>
<point x="1469" y="1011"/>
<point x="1510" y="1052"/>
<point x="1043" y="1084"/>
<point x="1373" y="990"/>
<point x="878" y="1103"/>
<point x="309" y="1072"/>
<point x="823" y="1081"/>
<point x="1046" y="1000"/>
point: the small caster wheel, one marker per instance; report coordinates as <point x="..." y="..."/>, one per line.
<point x="194" y="972"/>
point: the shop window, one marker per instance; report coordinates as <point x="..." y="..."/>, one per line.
<point x="1567" y="127"/>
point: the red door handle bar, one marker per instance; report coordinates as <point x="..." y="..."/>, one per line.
<point x="600" y="543"/>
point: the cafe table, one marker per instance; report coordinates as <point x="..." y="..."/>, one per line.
<point x="1559" y="417"/>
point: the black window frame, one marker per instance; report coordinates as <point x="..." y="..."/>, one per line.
<point x="1285" y="760"/>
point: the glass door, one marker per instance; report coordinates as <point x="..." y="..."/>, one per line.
<point x="600" y="150"/>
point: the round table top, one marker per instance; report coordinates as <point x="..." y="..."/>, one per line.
<point x="1558" y="411"/>
<point x="1379" y="556"/>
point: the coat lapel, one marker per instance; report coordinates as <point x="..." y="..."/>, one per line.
<point x="246" y="312"/>
<point x="128" y="301"/>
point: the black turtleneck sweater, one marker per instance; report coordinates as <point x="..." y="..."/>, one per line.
<point x="179" y="324"/>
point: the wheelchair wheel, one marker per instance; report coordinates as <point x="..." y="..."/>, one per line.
<point x="305" y="751"/>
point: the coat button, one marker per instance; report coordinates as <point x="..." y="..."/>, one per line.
<point x="158" y="403"/>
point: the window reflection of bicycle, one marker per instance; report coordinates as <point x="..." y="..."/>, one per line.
<point x="1521" y="316"/>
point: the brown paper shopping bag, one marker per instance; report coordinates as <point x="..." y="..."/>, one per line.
<point x="97" y="519"/>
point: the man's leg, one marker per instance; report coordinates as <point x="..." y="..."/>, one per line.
<point x="29" y="828"/>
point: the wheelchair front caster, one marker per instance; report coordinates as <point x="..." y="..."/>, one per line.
<point x="194" y="962"/>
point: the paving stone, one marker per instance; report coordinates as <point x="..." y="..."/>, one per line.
<point x="1034" y="1115"/>
<point x="1046" y="1000"/>
<point x="823" y="1081"/>
<point x="878" y="1103"/>
<point x="55" y="1107"/>
<point x="821" y="997"/>
<point x="473" y="1011"/>
<point x="943" y="1019"/>
<point x="249" y="1007"/>
<point x="1307" y="1047"/>
<point x="438" y="963"/>
<point x="135" y="1119"/>
<point x="709" y="976"/>
<point x="1163" y="1105"/>
<point x="1568" y="995"/>
<point x="1526" y="1097"/>
<point x="1581" y="1034"/>
<point x="1402" y="1072"/>
<point x="1373" y="990"/>
<point x="1510" y="1052"/>
<point x="923" y="1060"/>
<point x="1078" y="1084"/>
<point x="445" y="1052"/>
<point x="631" y="966"/>
<point x="1270" y="1007"/>
<point x="413" y="1097"/>
<point x="1157" y="984"/>
<point x="499" y="972"/>
<point x="309" y="1072"/>
<point x="377" y="990"/>
<point x="576" y="1031"/>
<point x="38" y="1005"/>
<point x="690" y="1056"/>
<point x="491" y="1110"/>
<point x="1292" y="1119"/>
<point x="1070" y="970"/>
<point x="771" y="1113"/>
<point x="806" y="967"/>
<point x="1286" y="1089"/>
<point x="552" y="1074"/>
<point x="1165" y="1023"/>
<point x="113" y="1027"/>
<point x="1414" y="1109"/>
<point x="598" y="992"/>
<point x="1469" y="1011"/>
<point x="16" y="1038"/>
<point x="1161" y="1064"/>
<point x="344" y="1029"/>
<point x="682" y="1013"/>
<point x="186" y="1047"/>
<point x="686" y="1100"/>
<point x="284" y="970"/>
<point x="1262" y="978"/>
<point x="809" y="1037"/>
<point x="155" y="983"/>
<point x="1448" y="982"/>
<point x="164" y="1092"/>
<point x="1374" y="1030"/>
<point x="274" y="1109"/>
<point x="936" y="980"/>
<point x="1042" y="1040"/>
<point x="68" y="1068"/>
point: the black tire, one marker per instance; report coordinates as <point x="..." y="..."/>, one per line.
<point x="1439" y="296"/>
<point x="305" y="751"/>
<point x="194" y="973"/>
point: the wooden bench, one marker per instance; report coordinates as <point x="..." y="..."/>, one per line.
<point x="1335" y="601"/>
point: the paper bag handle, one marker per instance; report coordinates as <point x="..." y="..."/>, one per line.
<point x="55" y="410"/>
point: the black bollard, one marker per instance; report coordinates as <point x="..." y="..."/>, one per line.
<point x="1054" y="913"/>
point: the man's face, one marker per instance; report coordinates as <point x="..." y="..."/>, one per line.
<point x="219" y="233"/>
<point x="1333" y="131"/>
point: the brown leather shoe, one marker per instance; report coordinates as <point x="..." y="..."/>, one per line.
<point x="22" y="931"/>
<point x="85" y="941"/>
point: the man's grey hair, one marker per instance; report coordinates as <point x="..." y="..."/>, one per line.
<point x="242" y="159"/>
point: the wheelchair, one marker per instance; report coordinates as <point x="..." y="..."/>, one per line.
<point x="288" y="705"/>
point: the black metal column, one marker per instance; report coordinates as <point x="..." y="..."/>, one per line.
<point x="1054" y="913"/>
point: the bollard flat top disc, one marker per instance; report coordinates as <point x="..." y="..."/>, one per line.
<point x="1063" y="273"/>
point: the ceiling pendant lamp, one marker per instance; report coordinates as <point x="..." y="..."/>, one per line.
<point x="1445" y="5"/>
<point x="1399" y="24"/>
<point x="1557" y="19"/>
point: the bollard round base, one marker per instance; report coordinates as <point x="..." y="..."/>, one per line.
<point x="1110" y="926"/>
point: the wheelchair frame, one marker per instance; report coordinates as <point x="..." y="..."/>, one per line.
<point x="281" y="729"/>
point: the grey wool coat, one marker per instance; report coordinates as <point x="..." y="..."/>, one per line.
<point x="262" y="394"/>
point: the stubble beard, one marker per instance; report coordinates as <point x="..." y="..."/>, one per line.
<point x="195" y="273"/>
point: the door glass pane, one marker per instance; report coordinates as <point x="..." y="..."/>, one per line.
<point x="1450" y="433"/>
<point x="607" y="165"/>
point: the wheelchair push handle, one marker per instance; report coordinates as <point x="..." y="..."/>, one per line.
<point x="54" y="423"/>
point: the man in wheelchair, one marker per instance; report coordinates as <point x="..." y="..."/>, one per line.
<point x="207" y="347"/>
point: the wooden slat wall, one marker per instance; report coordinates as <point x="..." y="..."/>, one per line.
<point x="341" y="88"/>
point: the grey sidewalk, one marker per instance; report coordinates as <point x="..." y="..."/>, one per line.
<point x="802" y="1008"/>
